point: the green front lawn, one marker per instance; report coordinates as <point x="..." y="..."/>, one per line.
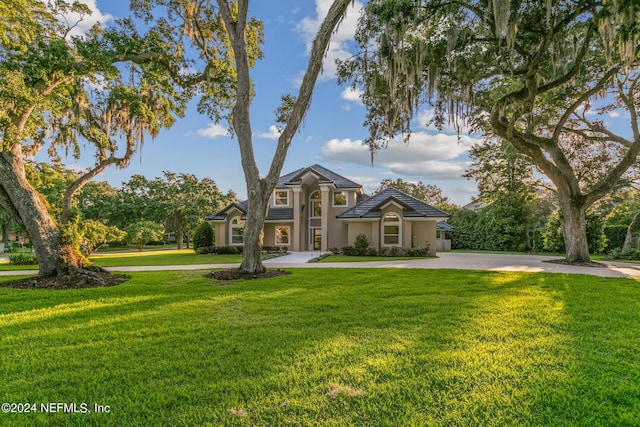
<point x="328" y="347"/>
<point x="162" y="257"/>
<point x="5" y="266"/>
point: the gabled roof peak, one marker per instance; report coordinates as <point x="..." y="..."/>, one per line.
<point x="324" y="176"/>
<point x="412" y="207"/>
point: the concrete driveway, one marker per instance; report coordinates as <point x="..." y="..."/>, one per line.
<point x="454" y="260"/>
<point x="470" y="261"/>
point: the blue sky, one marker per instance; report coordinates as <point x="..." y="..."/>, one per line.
<point x="332" y="131"/>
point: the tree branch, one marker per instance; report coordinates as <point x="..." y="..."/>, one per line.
<point x="301" y="105"/>
<point x="582" y="99"/>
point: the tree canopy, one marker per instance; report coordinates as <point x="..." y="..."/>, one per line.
<point x="104" y="91"/>
<point x="428" y="193"/>
<point x="542" y="75"/>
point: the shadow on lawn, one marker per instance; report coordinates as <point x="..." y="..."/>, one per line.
<point x="358" y="347"/>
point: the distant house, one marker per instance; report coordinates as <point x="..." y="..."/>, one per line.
<point x="475" y="206"/>
<point x="316" y="209"/>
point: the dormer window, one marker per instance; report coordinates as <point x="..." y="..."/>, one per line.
<point x="281" y="198"/>
<point x="339" y="198"/>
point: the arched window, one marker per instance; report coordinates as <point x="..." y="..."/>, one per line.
<point x="315" y="205"/>
<point x="237" y="231"/>
<point x="391" y="230"/>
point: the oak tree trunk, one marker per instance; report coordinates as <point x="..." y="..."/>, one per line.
<point x="253" y="234"/>
<point x="42" y="229"/>
<point x="632" y="239"/>
<point x="259" y="189"/>
<point x="574" y="229"/>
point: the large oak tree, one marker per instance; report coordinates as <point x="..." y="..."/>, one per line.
<point x="226" y="38"/>
<point x="542" y="75"/>
<point x="99" y="92"/>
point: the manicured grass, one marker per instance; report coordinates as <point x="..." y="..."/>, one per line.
<point x="161" y="257"/>
<point x="346" y="258"/>
<point x="4" y="266"/>
<point x="107" y="248"/>
<point x="328" y="348"/>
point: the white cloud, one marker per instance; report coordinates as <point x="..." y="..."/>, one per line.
<point x="273" y="133"/>
<point x="214" y="130"/>
<point x="339" y="45"/>
<point x="82" y="27"/>
<point x="436" y="156"/>
<point x="352" y="95"/>
<point x="369" y="183"/>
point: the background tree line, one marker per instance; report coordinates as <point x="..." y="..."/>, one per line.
<point x="517" y="210"/>
<point x="142" y="210"/>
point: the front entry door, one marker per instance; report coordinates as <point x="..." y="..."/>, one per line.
<point x="316" y="239"/>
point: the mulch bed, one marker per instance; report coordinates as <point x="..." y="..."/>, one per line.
<point x="577" y="264"/>
<point x="77" y="280"/>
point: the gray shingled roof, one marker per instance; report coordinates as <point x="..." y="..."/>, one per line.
<point x="326" y="176"/>
<point x="273" y="214"/>
<point x="443" y="226"/>
<point x="279" y="214"/>
<point x="368" y="208"/>
<point x="411" y="207"/>
<point x="292" y="178"/>
<point x="222" y="215"/>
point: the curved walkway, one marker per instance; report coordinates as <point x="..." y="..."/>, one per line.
<point x="452" y="260"/>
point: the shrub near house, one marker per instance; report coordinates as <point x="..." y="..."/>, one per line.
<point x="361" y="247"/>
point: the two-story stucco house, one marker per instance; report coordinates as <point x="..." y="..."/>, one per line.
<point x="314" y="208"/>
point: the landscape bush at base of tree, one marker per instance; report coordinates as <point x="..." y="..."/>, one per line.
<point x="630" y="254"/>
<point x="616" y="235"/>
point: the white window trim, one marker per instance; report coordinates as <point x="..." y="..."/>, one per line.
<point x="346" y="199"/>
<point x="288" y="235"/>
<point x="311" y="201"/>
<point x="275" y="198"/>
<point x="399" y="223"/>
<point x="232" y="227"/>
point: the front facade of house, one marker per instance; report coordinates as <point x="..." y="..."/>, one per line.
<point x="315" y="209"/>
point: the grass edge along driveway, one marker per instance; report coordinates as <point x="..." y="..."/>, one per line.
<point x="328" y="347"/>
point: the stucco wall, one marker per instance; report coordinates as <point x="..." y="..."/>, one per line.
<point x="337" y="230"/>
<point x="219" y="230"/>
<point x="358" y="227"/>
<point x="424" y="231"/>
<point x="414" y="233"/>
<point x="269" y="238"/>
